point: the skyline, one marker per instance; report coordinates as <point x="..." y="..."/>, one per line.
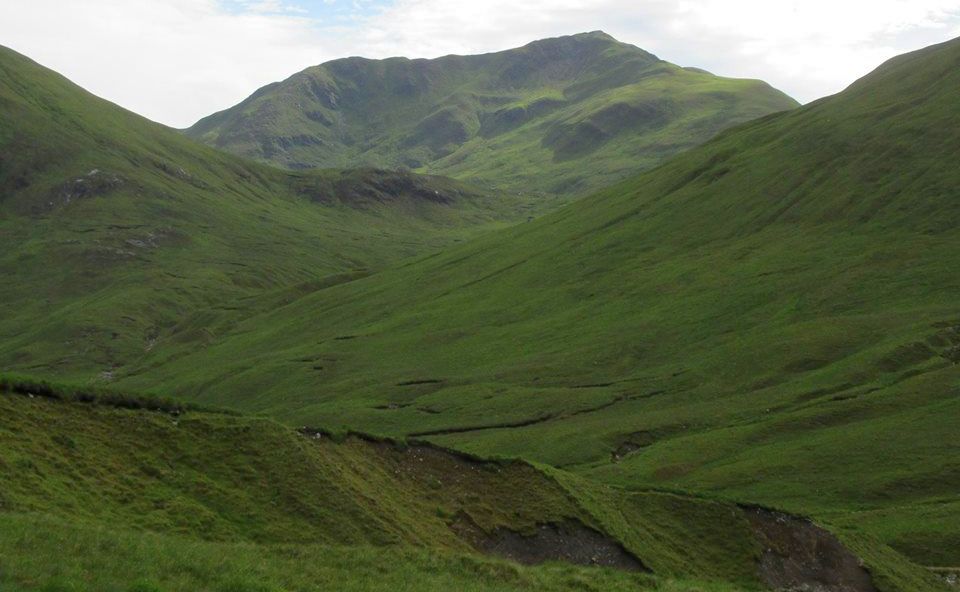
<point x="180" y="60"/>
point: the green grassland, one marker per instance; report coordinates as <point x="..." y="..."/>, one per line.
<point x="51" y="557"/>
<point x="558" y="116"/>
<point x="772" y="316"/>
<point x="114" y="228"/>
<point x="114" y="496"/>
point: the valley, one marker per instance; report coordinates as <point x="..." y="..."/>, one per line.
<point x="564" y="317"/>
<point x="722" y="343"/>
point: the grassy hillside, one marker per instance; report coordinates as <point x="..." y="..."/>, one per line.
<point x="558" y="116"/>
<point x="99" y="497"/>
<point x="114" y="228"/>
<point x="138" y="562"/>
<point x="772" y="316"/>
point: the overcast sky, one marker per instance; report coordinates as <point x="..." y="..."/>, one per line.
<point x="175" y="61"/>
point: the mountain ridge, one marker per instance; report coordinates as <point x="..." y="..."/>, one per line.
<point x="555" y="106"/>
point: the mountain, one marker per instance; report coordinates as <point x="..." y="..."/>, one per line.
<point x="113" y="228"/>
<point x="120" y="495"/>
<point x="558" y="116"/>
<point x="770" y="317"/>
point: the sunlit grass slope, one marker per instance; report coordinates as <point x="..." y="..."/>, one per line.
<point x="772" y="316"/>
<point x="557" y="116"/>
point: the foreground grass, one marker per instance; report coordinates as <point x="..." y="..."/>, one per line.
<point x="40" y="554"/>
<point x="118" y="495"/>
<point x="234" y="487"/>
<point x="228" y="478"/>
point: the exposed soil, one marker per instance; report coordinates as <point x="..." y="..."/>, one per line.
<point x="625" y="448"/>
<point x="542" y="419"/>
<point x="392" y="406"/>
<point x="949" y="575"/>
<point x="420" y="382"/>
<point x="799" y="556"/>
<point x="495" y="426"/>
<point x="570" y="541"/>
<point x="565" y="539"/>
<point x="796" y="554"/>
<point x="639" y="440"/>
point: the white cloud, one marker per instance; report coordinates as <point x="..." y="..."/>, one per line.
<point x="170" y="60"/>
<point x="177" y="60"/>
<point x="270" y="6"/>
<point x="808" y="48"/>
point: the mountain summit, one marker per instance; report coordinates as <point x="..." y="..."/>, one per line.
<point x="557" y="116"/>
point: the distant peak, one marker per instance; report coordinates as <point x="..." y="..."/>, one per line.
<point x="593" y="42"/>
<point x="597" y="35"/>
<point x="589" y="36"/>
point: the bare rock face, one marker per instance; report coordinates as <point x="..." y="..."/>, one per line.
<point x="94" y="184"/>
<point x="799" y="556"/>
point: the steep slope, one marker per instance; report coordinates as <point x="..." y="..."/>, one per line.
<point x="228" y="485"/>
<point x="772" y="316"/>
<point x="558" y="116"/>
<point x="112" y="228"/>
